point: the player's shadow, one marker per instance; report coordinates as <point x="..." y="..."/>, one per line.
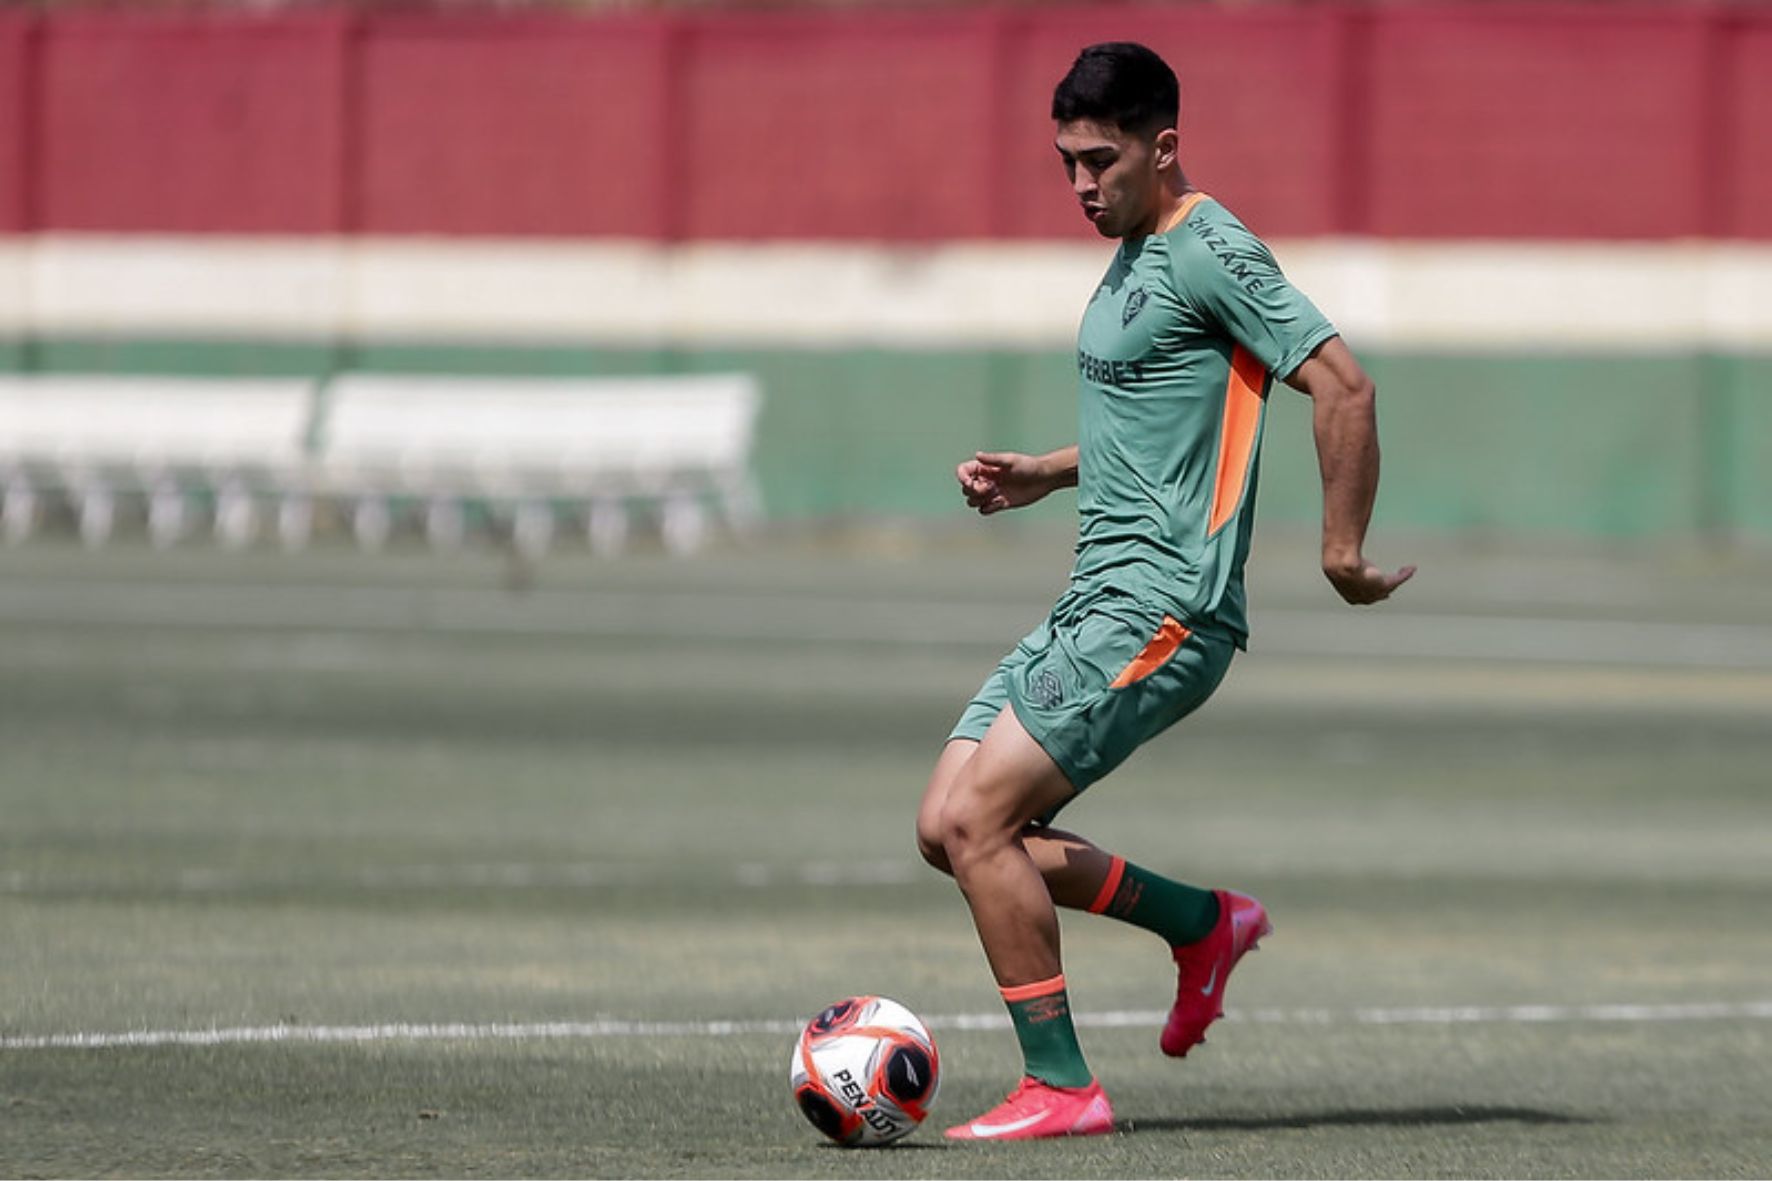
<point x="1398" y="1117"/>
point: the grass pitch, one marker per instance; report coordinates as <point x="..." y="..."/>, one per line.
<point x="393" y="871"/>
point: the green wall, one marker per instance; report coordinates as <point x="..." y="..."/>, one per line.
<point x="1585" y="445"/>
<point x="1608" y="447"/>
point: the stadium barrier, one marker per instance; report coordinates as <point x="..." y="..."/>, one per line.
<point x="526" y="449"/>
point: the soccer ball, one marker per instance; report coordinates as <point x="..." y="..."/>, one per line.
<point x="865" y="1071"/>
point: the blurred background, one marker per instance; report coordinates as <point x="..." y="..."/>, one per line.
<point x="1547" y="227"/>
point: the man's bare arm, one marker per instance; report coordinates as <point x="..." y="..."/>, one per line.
<point x="995" y="480"/>
<point x="1344" y="420"/>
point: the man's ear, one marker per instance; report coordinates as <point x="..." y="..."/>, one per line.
<point x="1166" y="147"/>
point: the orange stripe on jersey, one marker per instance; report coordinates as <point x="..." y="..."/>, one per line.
<point x="1162" y="646"/>
<point x="1181" y="211"/>
<point x="1236" y="446"/>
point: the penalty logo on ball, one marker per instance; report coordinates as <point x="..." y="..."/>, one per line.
<point x="865" y="1071"/>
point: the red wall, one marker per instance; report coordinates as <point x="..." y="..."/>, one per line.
<point x="524" y="126"/>
<point x="1744" y="196"/>
<point x="1447" y="121"/>
<point x="15" y="117"/>
<point x="829" y="125"/>
<point x="187" y="124"/>
<point x="1522" y="122"/>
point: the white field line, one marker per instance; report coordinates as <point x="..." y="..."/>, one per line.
<point x="963" y="1022"/>
<point x="516" y="875"/>
<point x="849" y="619"/>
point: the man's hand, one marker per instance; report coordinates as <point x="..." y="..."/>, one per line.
<point x="995" y="480"/>
<point x="1360" y="582"/>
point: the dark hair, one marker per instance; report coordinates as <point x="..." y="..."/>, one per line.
<point x="1122" y="83"/>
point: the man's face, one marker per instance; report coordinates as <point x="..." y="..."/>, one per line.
<point x="1114" y="175"/>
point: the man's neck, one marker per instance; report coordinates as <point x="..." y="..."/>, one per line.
<point x="1170" y="199"/>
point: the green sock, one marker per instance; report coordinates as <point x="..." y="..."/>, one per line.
<point x="1180" y="913"/>
<point x="1041" y="1014"/>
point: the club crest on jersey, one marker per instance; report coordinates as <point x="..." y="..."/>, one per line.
<point x="1135" y="302"/>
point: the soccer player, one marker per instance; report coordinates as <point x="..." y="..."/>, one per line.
<point x="1177" y="351"/>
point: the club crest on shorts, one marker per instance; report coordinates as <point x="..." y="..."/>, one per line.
<point x="1045" y="689"/>
<point x="1135" y="302"/>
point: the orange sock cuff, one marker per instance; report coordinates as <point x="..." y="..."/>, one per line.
<point x="1116" y="871"/>
<point x="1027" y="992"/>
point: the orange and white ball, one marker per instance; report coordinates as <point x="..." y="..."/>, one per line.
<point x="865" y="1071"/>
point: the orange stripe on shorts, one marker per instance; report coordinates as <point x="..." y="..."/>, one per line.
<point x="1171" y="636"/>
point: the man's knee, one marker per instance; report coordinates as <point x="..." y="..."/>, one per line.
<point x="931" y="837"/>
<point x="957" y="828"/>
<point x="969" y="828"/>
<point x="932" y="847"/>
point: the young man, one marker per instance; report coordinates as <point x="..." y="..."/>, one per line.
<point x="1176" y="354"/>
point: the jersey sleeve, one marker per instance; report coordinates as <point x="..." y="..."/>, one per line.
<point x="1230" y="275"/>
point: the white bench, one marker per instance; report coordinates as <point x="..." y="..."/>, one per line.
<point x="96" y="437"/>
<point x="525" y="444"/>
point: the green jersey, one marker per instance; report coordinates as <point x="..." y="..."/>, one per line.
<point x="1178" y="349"/>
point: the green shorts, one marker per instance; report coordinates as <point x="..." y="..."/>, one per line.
<point x="1104" y="674"/>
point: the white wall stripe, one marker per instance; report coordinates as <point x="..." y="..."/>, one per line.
<point x="963" y="1022"/>
<point x="1636" y="297"/>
